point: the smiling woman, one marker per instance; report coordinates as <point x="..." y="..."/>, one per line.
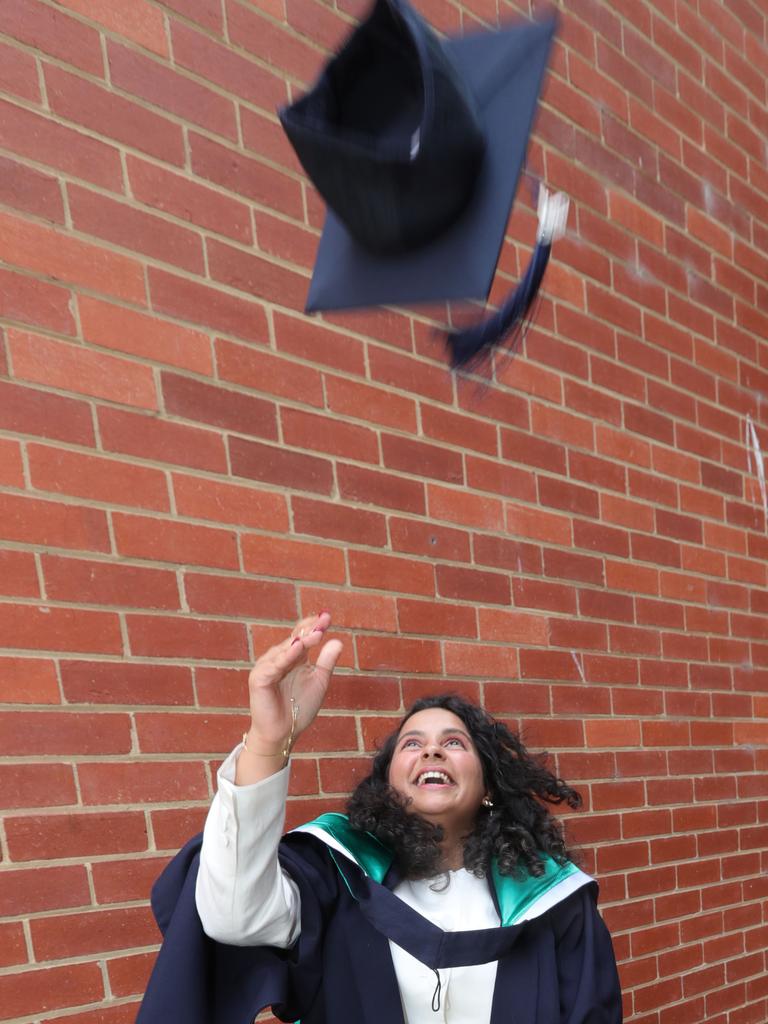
<point x="444" y="895"/>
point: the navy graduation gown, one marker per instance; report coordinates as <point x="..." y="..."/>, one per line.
<point x="557" y="968"/>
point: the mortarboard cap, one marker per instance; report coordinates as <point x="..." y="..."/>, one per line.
<point x="416" y="144"/>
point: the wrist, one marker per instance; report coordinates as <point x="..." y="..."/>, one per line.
<point x="253" y="744"/>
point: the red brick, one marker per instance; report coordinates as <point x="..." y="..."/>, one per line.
<point x="126" y="330"/>
<point x="530" y="450"/>
<point x="94" y="682"/>
<point x="149" y="437"/>
<point x="31" y="191"/>
<point x="28" y="681"/>
<point x="472" y="585"/>
<point x="568" y="565"/>
<point x="119" y="881"/>
<point x="425" y="460"/>
<point x="654" y="549"/>
<point x="101" y="583"/>
<point x="38" y="785"/>
<point x="549" y="665"/>
<point x="53" y="836"/>
<point x="420" y="538"/>
<point x="107" y="114"/>
<point x="169" y="90"/>
<point x="18" y="74"/>
<point x="434" y="619"/>
<point x="277" y="465"/>
<point x="527" y="593"/>
<point x="612" y="734"/>
<point x="579" y="635"/>
<point x="386" y="572"/>
<point x="512" y="627"/>
<point x="18" y="572"/>
<point x="223" y="502"/>
<point x="631" y="640"/>
<point x="370" y="487"/>
<point x="207" y="403"/>
<point x="480" y="661"/>
<point x="465" y="508"/>
<point x="398" y="654"/>
<point x="200" y="304"/>
<point x="319" y="433"/>
<point x="168" y="541"/>
<point x="28" y="627"/>
<point x="238" y="597"/>
<point x="455" y="429"/>
<point x="97" y="479"/>
<point x="32" y="890"/>
<point x="248" y="178"/>
<point x="79" y="934"/>
<point x="129" y="975"/>
<point x="13" y="945"/>
<point x="224" y="66"/>
<point x="376" y="405"/>
<point x="282" y="557"/>
<point x="271" y="43"/>
<point x="261" y="371"/>
<point x="36" y="991"/>
<point x="500" y="478"/>
<point x="64" y="732"/>
<point x="75" y="368"/>
<point x="135" y="229"/>
<point x="54" y="33"/>
<point x="402" y="371"/>
<point x="328" y="520"/>
<point x="246" y="272"/>
<point x="191" y="733"/>
<point x="139" y="22"/>
<point x="173" y="827"/>
<point x="181" y="637"/>
<point x="500" y="553"/>
<point x="155" y="782"/>
<point x="359" y="611"/>
<point x="47" y="251"/>
<point x="318" y="344"/>
<point x="188" y="200"/>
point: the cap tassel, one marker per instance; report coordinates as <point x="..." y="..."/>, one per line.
<point x="471" y="344"/>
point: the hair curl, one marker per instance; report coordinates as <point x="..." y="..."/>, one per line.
<point x="518" y="830"/>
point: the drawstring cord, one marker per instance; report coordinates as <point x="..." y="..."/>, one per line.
<point x="436" y="993"/>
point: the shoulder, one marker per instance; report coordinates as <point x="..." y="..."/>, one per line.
<point x="530" y="897"/>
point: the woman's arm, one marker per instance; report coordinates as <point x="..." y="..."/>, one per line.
<point x="243" y="897"/>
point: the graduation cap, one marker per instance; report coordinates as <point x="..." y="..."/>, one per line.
<point x="416" y="144"/>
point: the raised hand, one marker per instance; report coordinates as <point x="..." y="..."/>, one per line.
<point x="285" y="693"/>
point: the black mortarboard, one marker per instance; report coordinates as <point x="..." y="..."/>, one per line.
<point x="416" y="145"/>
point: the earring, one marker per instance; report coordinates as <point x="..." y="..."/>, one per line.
<point x="487" y="802"/>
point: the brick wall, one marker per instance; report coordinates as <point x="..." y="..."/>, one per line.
<point x="187" y="462"/>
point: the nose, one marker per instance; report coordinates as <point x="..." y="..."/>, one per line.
<point x="432" y="750"/>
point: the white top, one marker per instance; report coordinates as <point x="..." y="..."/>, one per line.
<point x="244" y="898"/>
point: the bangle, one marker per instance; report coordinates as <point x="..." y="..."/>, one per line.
<point x="288" y="746"/>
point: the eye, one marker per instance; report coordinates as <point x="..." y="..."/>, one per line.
<point x="454" y="740"/>
<point x="409" y="743"/>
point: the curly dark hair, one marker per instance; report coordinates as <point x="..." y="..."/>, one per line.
<point x="518" y="829"/>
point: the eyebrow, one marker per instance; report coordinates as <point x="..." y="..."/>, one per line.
<point x="444" y="732"/>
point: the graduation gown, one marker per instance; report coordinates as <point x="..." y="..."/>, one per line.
<point x="554" y="953"/>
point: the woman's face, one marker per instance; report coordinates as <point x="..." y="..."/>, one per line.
<point x="436" y="767"/>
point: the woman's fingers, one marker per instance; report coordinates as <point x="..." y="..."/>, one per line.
<point x="328" y="656"/>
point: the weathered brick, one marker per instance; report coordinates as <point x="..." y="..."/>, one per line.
<point x="103" y="112"/>
<point x="170" y="91"/>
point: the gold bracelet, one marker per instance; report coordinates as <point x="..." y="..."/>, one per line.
<point x="286" y="751"/>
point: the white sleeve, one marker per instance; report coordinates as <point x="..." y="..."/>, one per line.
<point x="243" y="896"/>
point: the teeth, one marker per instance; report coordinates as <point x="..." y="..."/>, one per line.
<point x="433" y="776"/>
